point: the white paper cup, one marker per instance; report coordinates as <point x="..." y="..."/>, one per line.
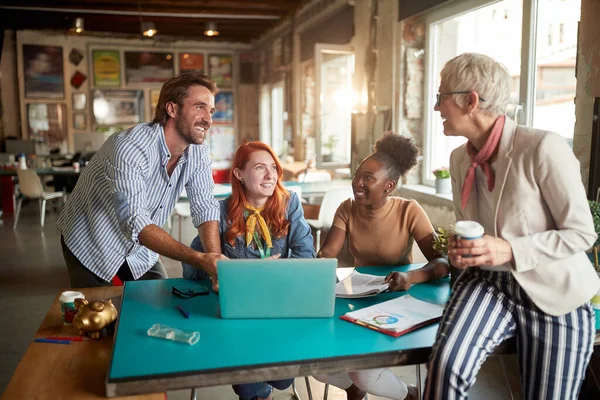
<point x="67" y="305"/>
<point x="76" y="166"/>
<point x="468" y="230"/>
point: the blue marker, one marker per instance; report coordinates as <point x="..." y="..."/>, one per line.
<point x="182" y="311"/>
<point x="39" y="340"/>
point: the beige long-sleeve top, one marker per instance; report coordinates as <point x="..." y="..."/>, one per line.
<point x="384" y="236"/>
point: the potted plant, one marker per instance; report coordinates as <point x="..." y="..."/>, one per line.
<point x="442" y="180"/>
<point x="595" y="209"/>
<point x="440" y="241"/>
<point x="329" y="146"/>
<point x="440" y="246"/>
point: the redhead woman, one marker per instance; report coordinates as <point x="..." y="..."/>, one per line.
<point x="381" y="230"/>
<point x="528" y="277"/>
<point x="260" y="219"/>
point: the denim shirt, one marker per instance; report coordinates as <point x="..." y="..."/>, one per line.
<point x="297" y="244"/>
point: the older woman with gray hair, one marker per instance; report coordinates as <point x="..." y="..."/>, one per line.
<point x="528" y="276"/>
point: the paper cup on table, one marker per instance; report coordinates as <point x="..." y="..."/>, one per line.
<point x="67" y="305"/>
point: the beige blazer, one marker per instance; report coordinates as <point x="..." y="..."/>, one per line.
<point x="542" y="211"/>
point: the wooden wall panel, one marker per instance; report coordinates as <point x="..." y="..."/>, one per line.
<point x="247" y="109"/>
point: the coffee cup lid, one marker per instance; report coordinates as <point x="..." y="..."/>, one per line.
<point x="70" y="296"/>
<point x="468" y="229"/>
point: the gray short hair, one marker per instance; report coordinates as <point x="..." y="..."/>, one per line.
<point x="482" y="74"/>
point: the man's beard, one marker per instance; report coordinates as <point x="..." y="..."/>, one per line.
<point x="188" y="132"/>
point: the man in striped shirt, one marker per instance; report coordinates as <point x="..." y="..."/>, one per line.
<point x="111" y="225"/>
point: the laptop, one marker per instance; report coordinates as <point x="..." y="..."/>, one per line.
<point x="283" y="288"/>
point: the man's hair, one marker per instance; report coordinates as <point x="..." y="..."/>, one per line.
<point x="481" y="74"/>
<point x="176" y="89"/>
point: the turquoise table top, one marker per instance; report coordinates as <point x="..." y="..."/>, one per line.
<point x="269" y="347"/>
<point x="223" y="190"/>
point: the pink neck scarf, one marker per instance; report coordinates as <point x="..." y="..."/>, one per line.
<point x="480" y="158"/>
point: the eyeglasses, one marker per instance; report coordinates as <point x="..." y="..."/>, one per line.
<point x="438" y="97"/>
<point x="188" y="292"/>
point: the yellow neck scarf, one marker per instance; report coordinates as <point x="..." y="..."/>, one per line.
<point x="254" y="217"/>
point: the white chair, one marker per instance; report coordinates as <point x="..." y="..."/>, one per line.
<point x="331" y="201"/>
<point x="298" y="190"/>
<point x="314" y="176"/>
<point x="31" y="187"/>
<point x="181" y="211"/>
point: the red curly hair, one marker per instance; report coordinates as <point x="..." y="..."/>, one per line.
<point x="274" y="210"/>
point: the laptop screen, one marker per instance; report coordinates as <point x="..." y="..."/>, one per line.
<point x="283" y="288"/>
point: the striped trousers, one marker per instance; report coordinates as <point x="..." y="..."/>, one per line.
<point x="488" y="307"/>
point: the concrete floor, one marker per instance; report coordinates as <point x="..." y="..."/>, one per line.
<point x="32" y="272"/>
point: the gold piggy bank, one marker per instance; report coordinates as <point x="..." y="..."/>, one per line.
<point x="94" y="316"/>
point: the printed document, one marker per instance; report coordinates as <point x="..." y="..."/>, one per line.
<point x="396" y="316"/>
<point x="358" y="285"/>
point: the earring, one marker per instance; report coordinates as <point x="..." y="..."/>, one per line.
<point x="242" y="182"/>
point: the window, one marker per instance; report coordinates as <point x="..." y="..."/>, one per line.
<point x="543" y="83"/>
<point x="334" y="67"/>
<point x="272" y="110"/>
<point x="555" y="83"/>
<point x="471" y="28"/>
<point x="561" y="33"/>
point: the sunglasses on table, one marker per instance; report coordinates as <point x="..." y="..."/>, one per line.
<point x="189" y="292"/>
<point x="438" y="97"/>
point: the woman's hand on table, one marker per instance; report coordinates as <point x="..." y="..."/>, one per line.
<point x="399" y="281"/>
<point x="487" y="250"/>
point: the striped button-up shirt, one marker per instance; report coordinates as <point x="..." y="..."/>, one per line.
<point x="124" y="188"/>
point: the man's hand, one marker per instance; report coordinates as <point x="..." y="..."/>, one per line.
<point x="215" y="285"/>
<point x="209" y="263"/>
<point x="398" y="281"/>
<point x="487" y="250"/>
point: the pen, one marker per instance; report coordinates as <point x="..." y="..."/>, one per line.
<point x="69" y="338"/>
<point x="182" y="311"/>
<point x="42" y="340"/>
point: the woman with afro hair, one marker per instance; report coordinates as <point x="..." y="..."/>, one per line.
<point x="381" y="230"/>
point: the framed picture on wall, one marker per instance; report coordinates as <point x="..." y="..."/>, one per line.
<point x="148" y="67"/>
<point x="118" y="107"/>
<point x="79" y="121"/>
<point x="220" y="69"/>
<point x="79" y="101"/>
<point x="223" y="108"/>
<point x="43" y="72"/>
<point x="222" y="142"/>
<point x="191" y="62"/>
<point x="107" y="67"/>
<point x="47" y="123"/>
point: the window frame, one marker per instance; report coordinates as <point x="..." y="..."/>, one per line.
<point x="320" y="48"/>
<point x="527" y="88"/>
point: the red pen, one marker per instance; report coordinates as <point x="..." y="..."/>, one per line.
<point x="71" y="338"/>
